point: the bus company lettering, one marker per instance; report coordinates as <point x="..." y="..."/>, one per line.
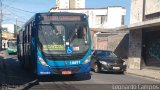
<point x="75" y="62"/>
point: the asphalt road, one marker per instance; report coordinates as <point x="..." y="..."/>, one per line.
<point x="13" y="77"/>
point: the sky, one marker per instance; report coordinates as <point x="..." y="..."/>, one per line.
<point x="22" y="10"/>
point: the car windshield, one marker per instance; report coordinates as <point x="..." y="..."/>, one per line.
<point x="104" y="54"/>
<point x="57" y="38"/>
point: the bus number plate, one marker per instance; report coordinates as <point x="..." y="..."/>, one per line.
<point x="66" y="72"/>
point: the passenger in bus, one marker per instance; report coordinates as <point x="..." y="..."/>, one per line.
<point x="78" y="39"/>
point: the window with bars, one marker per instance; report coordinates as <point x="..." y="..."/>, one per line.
<point x="122" y="21"/>
<point x="100" y="19"/>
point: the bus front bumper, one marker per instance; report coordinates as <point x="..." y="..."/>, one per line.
<point x="11" y="51"/>
<point x="47" y="70"/>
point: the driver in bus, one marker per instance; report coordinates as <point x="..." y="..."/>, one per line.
<point x="78" y="39"/>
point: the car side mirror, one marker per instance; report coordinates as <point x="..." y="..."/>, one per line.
<point x="93" y="56"/>
<point x="120" y="57"/>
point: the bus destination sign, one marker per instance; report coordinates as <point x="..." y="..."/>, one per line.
<point x="61" y="18"/>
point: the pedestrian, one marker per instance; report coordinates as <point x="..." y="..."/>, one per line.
<point x="4" y="45"/>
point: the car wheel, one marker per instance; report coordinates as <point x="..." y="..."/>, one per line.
<point x="96" y="68"/>
<point x="122" y="72"/>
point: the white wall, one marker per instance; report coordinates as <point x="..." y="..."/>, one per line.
<point x="10" y="27"/>
<point x="136" y="11"/>
<point x="80" y="3"/>
<point x="152" y="6"/>
<point x="113" y="15"/>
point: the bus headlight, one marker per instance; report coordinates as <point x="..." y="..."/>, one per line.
<point x="42" y="61"/>
<point x="88" y="59"/>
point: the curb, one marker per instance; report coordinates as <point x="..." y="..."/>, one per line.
<point x="143" y="75"/>
<point x="27" y="85"/>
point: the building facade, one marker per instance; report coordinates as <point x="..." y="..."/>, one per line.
<point x="77" y="3"/>
<point x="67" y="4"/>
<point x="104" y="18"/>
<point x="8" y="33"/>
<point x="62" y="3"/>
<point x="144" y="42"/>
<point x="9" y="27"/>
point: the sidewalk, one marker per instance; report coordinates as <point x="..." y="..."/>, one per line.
<point x="2" y="52"/>
<point x="155" y="74"/>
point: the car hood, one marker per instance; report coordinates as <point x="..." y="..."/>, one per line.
<point x="111" y="60"/>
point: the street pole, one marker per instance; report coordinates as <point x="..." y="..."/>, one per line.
<point x="1" y="25"/>
<point x="15" y="33"/>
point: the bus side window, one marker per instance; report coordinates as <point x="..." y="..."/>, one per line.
<point x="29" y="33"/>
<point x="85" y="34"/>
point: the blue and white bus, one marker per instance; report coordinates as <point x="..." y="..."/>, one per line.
<point x="55" y="43"/>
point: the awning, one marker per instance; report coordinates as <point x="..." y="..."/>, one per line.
<point x="140" y="25"/>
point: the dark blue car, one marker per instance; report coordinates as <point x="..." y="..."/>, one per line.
<point x="104" y="60"/>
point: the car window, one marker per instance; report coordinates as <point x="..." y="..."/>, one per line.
<point x="112" y="55"/>
<point x="105" y="54"/>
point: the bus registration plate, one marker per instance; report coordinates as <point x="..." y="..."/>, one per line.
<point x="66" y="72"/>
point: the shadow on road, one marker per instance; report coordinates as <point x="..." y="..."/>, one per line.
<point x="12" y="75"/>
<point x="59" y="78"/>
<point x="115" y="73"/>
<point x="78" y="77"/>
<point x="110" y="72"/>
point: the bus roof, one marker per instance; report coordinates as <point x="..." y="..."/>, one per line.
<point x="61" y="13"/>
<point x="53" y="14"/>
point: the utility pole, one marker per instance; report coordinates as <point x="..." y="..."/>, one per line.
<point x="1" y="14"/>
<point x="15" y="33"/>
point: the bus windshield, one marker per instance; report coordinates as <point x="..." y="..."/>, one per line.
<point x="57" y="38"/>
<point x="12" y="44"/>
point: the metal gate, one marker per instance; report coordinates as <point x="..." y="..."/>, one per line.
<point x="102" y="43"/>
<point x="151" y="48"/>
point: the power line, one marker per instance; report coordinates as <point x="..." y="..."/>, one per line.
<point x="21" y="21"/>
<point x="1" y="24"/>
<point x="18" y="12"/>
<point x="18" y="9"/>
<point x="17" y="15"/>
<point x="12" y="1"/>
<point x="10" y="18"/>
